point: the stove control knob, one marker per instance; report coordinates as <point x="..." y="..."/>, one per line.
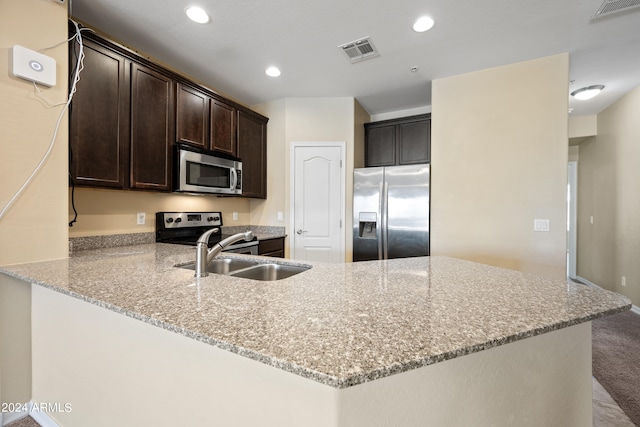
<point x="178" y="220"/>
<point x="210" y="218"/>
<point x="169" y="220"/>
<point x="217" y="218"/>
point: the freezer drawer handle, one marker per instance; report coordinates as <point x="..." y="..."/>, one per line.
<point x="299" y="231"/>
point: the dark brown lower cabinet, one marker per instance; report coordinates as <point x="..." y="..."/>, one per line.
<point x="272" y="247"/>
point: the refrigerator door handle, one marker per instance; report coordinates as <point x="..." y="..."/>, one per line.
<point x="384" y="202"/>
<point x="379" y="222"/>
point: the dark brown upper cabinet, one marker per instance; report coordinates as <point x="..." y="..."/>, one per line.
<point x="205" y="121"/>
<point x="252" y="149"/>
<point x="99" y="119"/>
<point x="152" y="129"/>
<point x="129" y="112"/>
<point x="405" y="141"/>
<point x="121" y="122"/>
<point x="223" y="127"/>
<point x="192" y="116"/>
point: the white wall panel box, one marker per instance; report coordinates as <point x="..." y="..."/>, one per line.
<point x="33" y="66"/>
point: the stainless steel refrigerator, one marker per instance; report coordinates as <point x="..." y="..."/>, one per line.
<point x="390" y="212"/>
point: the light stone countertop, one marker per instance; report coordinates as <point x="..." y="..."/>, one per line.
<point x="337" y="324"/>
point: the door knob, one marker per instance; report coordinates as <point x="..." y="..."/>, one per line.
<point x="299" y="231"/>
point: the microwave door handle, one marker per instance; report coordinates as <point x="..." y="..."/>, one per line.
<point x="234" y="178"/>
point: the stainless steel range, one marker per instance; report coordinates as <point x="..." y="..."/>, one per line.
<point x="184" y="228"/>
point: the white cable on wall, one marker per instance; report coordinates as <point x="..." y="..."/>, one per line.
<point x="79" y="65"/>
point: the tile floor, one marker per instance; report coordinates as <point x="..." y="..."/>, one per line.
<point x="606" y="412"/>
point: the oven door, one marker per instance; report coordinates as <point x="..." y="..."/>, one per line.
<point x="246" y="248"/>
<point x="203" y="173"/>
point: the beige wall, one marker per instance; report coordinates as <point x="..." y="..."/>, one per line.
<point x="583" y="126"/>
<point x="103" y="212"/>
<point x="499" y="156"/>
<point x="307" y="120"/>
<point x="609" y="191"/>
<point x="35" y="227"/>
<point x="15" y="340"/>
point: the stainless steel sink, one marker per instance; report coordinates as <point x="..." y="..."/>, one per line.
<point x="270" y="272"/>
<point x="224" y="265"/>
<point x="251" y="269"/>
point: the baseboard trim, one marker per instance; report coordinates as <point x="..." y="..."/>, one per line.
<point x="10" y="417"/>
<point x="40" y="417"/>
<point x="634" y="308"/>
<point x="43" y="419"/>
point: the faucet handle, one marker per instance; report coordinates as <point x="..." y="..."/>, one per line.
<point x="248" y="236"/>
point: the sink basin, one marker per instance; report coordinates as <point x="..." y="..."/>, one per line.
<point x="270" y="272"/>
<point x="251" y="269"/>
<point x="224" y="265"/>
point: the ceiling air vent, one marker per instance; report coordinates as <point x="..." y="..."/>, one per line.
<point x="360" y="50"/>
<point x="609" y="7"/>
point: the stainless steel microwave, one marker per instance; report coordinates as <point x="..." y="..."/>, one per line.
<point x="205" y="172"/>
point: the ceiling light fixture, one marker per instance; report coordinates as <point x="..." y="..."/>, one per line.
<point x="587" y="92"/>
<point x="423" y="24"/>
<point x="272" y="72"/>
<point x="197" y="14"/>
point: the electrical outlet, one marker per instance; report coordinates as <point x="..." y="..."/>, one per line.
<point x="280" y="216"/>
<point x="235" y="216"/>
<point x="141" y="218"/>
<point x="591" y="219"/>
<point x="623" y="281"/>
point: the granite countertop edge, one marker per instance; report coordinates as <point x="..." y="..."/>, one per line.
<point x="316" y="376"/>
<point x="349" y="379"/>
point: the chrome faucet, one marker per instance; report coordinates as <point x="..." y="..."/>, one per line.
<point x="204" y="255"/>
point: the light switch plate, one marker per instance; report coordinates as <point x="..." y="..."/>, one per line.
<point x="540" y="225"/>
<point x="31" y="65"/>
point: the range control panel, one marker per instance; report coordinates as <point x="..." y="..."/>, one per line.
<point x="189" y="219"/>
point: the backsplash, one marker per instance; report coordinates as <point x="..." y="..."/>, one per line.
<point x="111" y="240"/>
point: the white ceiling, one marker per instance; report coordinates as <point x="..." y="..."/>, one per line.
<point x="301" y="37"/>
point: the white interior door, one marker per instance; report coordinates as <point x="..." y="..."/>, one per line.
<point x="317" y="203"/>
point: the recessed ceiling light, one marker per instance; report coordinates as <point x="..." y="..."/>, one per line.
<point x="197" y="14"/>
<point x="423" y="24"/>
<point x="587" y="92"/>
<point x="272" y="72"/>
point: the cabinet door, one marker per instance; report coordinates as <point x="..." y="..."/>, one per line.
<point x="252" y="149"/>
<point x="192" y="116"/>
<point x="99" y="119"/>
<point x="152" y="128"/>
<point x="380" y="146"/>
<point x="223" y="127"/>
<point x="272" y="247"/>
<point x="414" y="142"/>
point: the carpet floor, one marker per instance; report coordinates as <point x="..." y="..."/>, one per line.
<point x="616" y="359"/>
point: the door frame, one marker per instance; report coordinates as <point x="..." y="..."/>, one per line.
<point x="343" y="177"/>
<point x="572" y="219"/>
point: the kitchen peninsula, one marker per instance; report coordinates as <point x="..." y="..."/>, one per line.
<point x="129" y="339"/>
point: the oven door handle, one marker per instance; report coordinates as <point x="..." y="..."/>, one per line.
<point x="241" y="245"/>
